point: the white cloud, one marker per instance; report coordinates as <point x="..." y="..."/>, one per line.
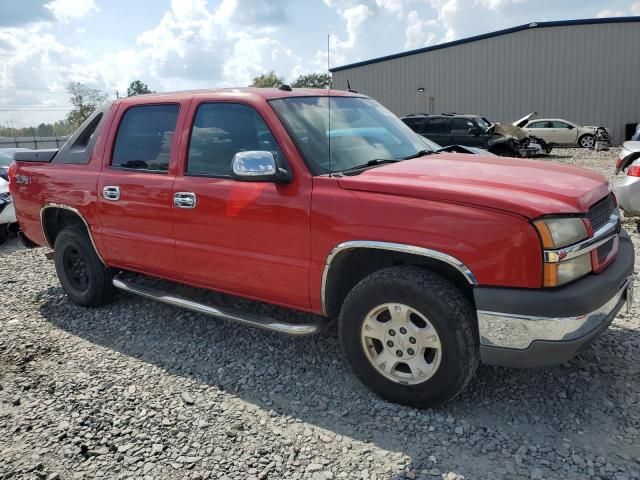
<point x="607" y="12"/>
<point x="635" y="8"/>
<point x="67" y="10"/>
<point x="416" y="35"/>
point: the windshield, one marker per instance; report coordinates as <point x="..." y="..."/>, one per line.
<point x="361" y="131"/>
<point x="5" y="159"/>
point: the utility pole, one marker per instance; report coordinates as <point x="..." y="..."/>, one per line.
<point x="117" y="95"/>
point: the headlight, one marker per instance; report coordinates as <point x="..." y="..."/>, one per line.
<point x="560" y="232"/>
<point x="556" y="274"/>
<point x="6" y="197"/>
<point x="556" y="233"/>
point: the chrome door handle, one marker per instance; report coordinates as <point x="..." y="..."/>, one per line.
<point x="184" y="200"/>
<point x="111" y="192"/>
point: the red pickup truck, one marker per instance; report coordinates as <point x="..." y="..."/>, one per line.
<point x="325" y="202"/>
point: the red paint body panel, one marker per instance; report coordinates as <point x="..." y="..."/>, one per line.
<point x="271" y="241"/>
<point x="529" y="188"/>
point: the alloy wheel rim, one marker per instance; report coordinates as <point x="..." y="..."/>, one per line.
<point x="401" y="343"/>
<point x="587" y="142"/>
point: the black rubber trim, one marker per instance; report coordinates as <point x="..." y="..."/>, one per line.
<point x="544" y="353"/>
<point x="577" y="298"/>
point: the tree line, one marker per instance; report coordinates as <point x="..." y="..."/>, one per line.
<point x="86" y="100"/>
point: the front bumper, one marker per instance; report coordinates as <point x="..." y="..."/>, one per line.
<point x="546" y="327"/>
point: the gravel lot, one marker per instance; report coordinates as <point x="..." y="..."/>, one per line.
<point x="142" y="390"/>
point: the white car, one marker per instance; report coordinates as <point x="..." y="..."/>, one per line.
<point x="559" y="131"/>
<point x="7" y="211"/>
<point x="628" y="188"/>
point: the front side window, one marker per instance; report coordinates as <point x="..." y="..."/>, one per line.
<point x="556" y="124"/>
<point x="462" y="125"/>
<point x="360" y="130"/>
<point x="537" y="125"/>
<point x="145" y="138"/>
<point x="220" y="130"/>
<point x="437" y="126"/>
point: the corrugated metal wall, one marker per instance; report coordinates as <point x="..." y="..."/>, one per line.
<point x="589" y="74"/>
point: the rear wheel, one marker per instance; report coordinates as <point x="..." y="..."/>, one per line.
<point x="409" y="336"/>
<point x="83" y="276"/>
<point x="586" y="141"/>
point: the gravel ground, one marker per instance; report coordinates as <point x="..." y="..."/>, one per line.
<point x="142" y="390"/>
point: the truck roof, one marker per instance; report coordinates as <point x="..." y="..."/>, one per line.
<point x="265" y="93"/>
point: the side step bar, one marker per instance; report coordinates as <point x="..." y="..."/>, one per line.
<point x="265" y="323"/>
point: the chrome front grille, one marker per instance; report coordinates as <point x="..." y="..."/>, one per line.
<point x="600" y="212"/>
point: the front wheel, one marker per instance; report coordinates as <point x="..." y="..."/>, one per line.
<point x="586" y="141"/>
<point x="85" y="279"/>
<point x="409" y="336"/>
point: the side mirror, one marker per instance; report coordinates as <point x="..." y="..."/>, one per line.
<point x="570" y="127"/>
<point x="258" y="166"/>
<point x="474" y="131"/>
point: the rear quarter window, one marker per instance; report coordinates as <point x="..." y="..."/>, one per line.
<point x="79" y="147"/>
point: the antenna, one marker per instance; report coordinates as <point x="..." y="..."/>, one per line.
<point x="329" y="99"/>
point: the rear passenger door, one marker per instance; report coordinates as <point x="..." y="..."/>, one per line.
<point x="414" y="123"/>
<point x="135" y="188"/>
<point x="245" y="238"/>
<point x="437" y="129"/>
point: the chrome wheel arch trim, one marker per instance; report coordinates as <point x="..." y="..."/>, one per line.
<point x="395" y="247"/>
<point x="73" y="210"/>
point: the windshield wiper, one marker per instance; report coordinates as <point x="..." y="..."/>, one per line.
<point x="420" y="153"/>
<point x="372" y="163"/>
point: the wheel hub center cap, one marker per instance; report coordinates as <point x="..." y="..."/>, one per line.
<point x="400" y="342"/>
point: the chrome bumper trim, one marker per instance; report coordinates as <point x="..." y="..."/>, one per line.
<point x="508" y="330"/>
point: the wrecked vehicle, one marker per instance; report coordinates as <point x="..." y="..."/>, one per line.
<point x="557" y="131"/>
<point x="476" y="131"/>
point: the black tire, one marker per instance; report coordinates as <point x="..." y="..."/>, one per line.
<point x="446" y="308"/>
<point x="4" y="233"/>
<point x="585" y="138"/>
<point x="85" y="279"/>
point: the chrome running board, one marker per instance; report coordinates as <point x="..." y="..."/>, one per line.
<point x="265" y="323"/>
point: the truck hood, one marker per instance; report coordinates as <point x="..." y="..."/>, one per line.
<point x="525" y="187"/>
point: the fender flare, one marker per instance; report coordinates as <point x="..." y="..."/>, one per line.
<point x="395" y="247"/>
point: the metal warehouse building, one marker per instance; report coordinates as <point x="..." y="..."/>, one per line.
<point x="586" y="71"/>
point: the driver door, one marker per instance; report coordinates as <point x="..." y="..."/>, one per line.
<point x="244" y="238"/>
<point x="562" y="132"/>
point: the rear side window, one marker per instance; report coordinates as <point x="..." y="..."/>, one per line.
<point x="414" y="123"/>
<point x="145" y="138"/>
<point x="220" y="130"/>
<point x="437" y="125"/>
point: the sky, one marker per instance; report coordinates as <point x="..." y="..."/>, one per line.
<point x="190" y="44"/>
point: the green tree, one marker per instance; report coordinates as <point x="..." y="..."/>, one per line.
<point x="137" y="88"/>
<point x="312" y="80"/>
<point x="267" y="80"/>
<point x="85" y="101"/>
